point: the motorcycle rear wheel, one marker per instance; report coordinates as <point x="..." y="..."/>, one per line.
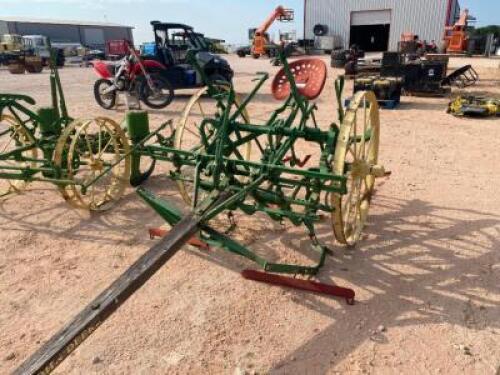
<point x="106" y="101"/>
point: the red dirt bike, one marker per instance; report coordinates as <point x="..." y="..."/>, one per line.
<point x="140" y="78"/>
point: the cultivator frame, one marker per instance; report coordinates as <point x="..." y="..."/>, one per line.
<point x="225" y="176"/>
<point x="88" y="169"/>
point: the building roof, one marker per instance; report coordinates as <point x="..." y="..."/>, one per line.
<point x="61" y="22"/>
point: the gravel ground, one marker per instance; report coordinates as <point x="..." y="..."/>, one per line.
<point x="426" y="273"/>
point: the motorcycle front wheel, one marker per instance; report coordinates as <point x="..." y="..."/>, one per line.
<point x="160" y="96"/>
<point x="105" y="100"/>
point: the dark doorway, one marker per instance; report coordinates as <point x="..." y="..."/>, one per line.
<point x="371" y="38"/>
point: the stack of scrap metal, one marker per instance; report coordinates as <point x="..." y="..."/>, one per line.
<point x="422" y="77"/>
<point x="387" y="89"/>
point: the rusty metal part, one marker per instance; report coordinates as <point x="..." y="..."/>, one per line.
<point x="307" y="285"/>
<point x="194" y="241"/>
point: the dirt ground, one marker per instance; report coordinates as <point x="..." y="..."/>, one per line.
<point x="426" y="274"/>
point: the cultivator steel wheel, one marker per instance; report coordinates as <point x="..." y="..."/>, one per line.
<point x="13" y="136"/>
<point x="188" y="136"/>
<point x="356" y="157"/>
<point x="86" y="150"/>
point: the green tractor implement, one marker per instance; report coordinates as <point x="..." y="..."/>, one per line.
<point x="474" y="106"/>
<point x="84" y="158"/>
<point x="225" y="162"/>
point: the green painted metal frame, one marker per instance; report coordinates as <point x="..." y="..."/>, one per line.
<point x="228" y="170"/>
<point x="32" y="122"/>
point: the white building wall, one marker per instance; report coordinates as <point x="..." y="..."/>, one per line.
<point x="426" y="18"/>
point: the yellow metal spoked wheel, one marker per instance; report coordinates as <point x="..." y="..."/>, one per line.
<point x="86" y="150"/>
<point x="12" y="137"/>
<point x="356" y="157"/>
<point x="188" y="135"/>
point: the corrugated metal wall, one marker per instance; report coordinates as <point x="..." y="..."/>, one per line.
<point x="425" y="18"/>
<point x="4" y="27"/>
<point x="69" y="33"/>
<point x="57" y="33"/>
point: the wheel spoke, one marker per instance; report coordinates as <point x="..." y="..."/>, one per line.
<point x="363" y="152"/>
<point x="99" y="139"/>
<point x="105" y="148"/>
<point x="197" y="135"/>
<point x="89" y="146"/>
<point x="355" y="129"/>
<point x="201" y="109"/>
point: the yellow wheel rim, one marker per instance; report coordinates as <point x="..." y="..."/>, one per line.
<point x="187" y="135"/>
<point x="86" y="150"/>
<point x="14" y="136"/>
<point x="356" y="157"/>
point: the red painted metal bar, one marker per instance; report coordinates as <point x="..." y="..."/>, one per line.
<point x="194" y="241"/>
<point x="307" y="285"/>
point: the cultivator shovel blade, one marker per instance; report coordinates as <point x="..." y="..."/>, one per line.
<point x="307" y="285"/>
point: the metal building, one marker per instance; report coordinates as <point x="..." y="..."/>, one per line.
<point x="377" y="25"/>
<point x="89" y="34"/>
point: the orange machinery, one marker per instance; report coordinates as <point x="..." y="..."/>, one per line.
<point x="456" y="37"/>
<point x="259" y="40"/>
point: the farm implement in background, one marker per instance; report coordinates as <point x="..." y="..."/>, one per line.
<point x="474" y="106"/>
<point x="82" y="157"/>
<point x="224" y="162"/>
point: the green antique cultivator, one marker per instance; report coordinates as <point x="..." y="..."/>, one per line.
<point x="223" y="162"/>
<point x="84" y="158"/>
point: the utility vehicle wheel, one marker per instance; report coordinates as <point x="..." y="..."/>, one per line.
<point x="160" y="96"/>
<point x="89" y="149"/>
<point x="188" y="136"/>
<point x="34" y="68"/>
<point x="16" y="68"/>
<point x="356" y="157"/>
<point x="217" y="77"/>
<point x="106" y="100"/>
<point x="12" y="137"/>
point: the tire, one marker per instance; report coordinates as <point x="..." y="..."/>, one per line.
<point x="34" y="68"/>
<point x="160" y="83"/>
<point x="217" y="77"/>
<point x="256" y="56"/>
<point x="16" y="68"/>
<point x="241" y="54"/>
<point x="338" y="63"/>
<point x="339" y="58"/>
<point x="110" y="100"/>
<point x="320" y="30"/>
<point x="350" y="68"/>
<point x="339" y="55"/>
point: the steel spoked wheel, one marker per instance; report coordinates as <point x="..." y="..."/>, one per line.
<point x="91" y="154"/>
<point x="13" y="136"/>
<point x="189" y="138"/>
<point x="356" y="157"/>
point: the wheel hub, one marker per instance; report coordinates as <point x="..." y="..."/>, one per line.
<point x="97" y="165"/>
<point x="360" y="169"/>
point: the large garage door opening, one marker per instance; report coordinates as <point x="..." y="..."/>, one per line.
<point x="370" y="30"/>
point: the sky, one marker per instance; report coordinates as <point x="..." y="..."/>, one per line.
<point x="224" y="19"/>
